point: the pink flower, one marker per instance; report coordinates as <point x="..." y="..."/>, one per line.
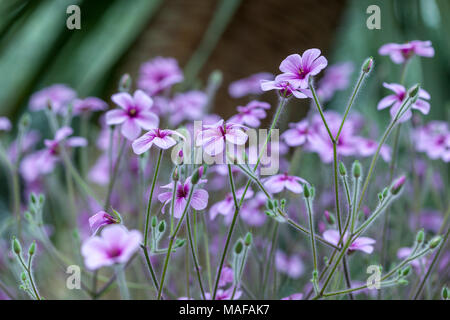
<point x="337" y="77"/>
<point x="28" y="141"/>
<point x="294" y="296"/>
<point x="222" y="294"/>
<point x="87" y="105"/>
<point x="99" y="220"/>
<point x="5" y="124"/>
<point x="291" y="266"/>
<point x="115" y="245"/>
<point x="249" y="85"/>
<point x="363" y="244"/>
<point x="297" y="69"/>
<point x="417" y="264"/>
<point x="134" y="114"/>
<point x="199" y="200"/>
<point x="58" y="96"/>
<point x="297" y="135"/>
<point x="251" y="114"/>
<point x="187" y="106"/>
<point x="226" y="206"/>
<point x="285" y="89"/>
<point x="214" y="138"/>
<point x="252" y="210"/>
<point x="159" y="74"/>
<point x="433" y="139"/>
<point x="226" y="276"/>
<point x="399" y="53"/>
<point x="161" y="138"/>
<point x="400" y="94"/>
<point x="279" y="182"/>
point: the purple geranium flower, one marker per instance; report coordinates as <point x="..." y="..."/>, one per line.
<point x="399" y="53"/>
<point x="226" y="206"/>
<point x="285" y="89"/>
<point x="251" y="114"/>
<point x="115" y="245"/>
<point x="58" y="96"/>
<point x="101" y="219"/>
<point x="337" y="77"/>
<point x="292" y="266"/>
<point x="279" y="182"/>
<point x="134" y="113"/>
<point x="363" y="244"/>
<point x="214" y="138"/>
<point x="5" y="124"/>
<point x="88" y="105"/>
<point x="400" y="94"/>
<point x="226" y="276"/>
<point x="199" y="199"/>
<point x="297" y="135"/>
<point x="159" y="74"/>
<point x="249" y="85"/>
<point x="161" y="138"/>
<point x="297" y="69"/>
<point x="433" y="139"/>
<point x="187" y="106"/>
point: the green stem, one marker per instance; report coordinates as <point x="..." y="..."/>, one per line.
<point x="122" y="283"/>
<point x="316" y="100"/>
<point x="311" y="228"/>
<point x="270" y="258"/>
<point x="150" y="268"/>
<point x="114" y="174"/>
<point x="194" y="257"/>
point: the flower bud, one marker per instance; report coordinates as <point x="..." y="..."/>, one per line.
<point x="179" y="243"/>
<point x="413" y="92"/>
<point x="162" y="226"/>
<point x="154" y="222"/>
<point x="435" y="242"/>
<point x="406" y="271"/>
<point x="238" y="247"/>
<point x="248" y="239"/>
<point x="17" y="248"/>
<point x="367" y="65"/>
<point x="397" y="185"/>
<point x="420" y="236"/>
<point x="306" y="191"/>
<point x="125" y="83"/>
<point x="197" y="175"/>
<point x="356" y="169"/>
<point x="269" y="204"/>
<point x="32" y="248"/>
<point x="23" y="276"/>
<point x="175" y="175"/>
<point x="402" y="282"/>
<point x="342" y="169"/>
<point x="445" y="293"/>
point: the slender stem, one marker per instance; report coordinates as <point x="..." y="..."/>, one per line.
<point x="270" y="259"/>
<point x="207" y="254"/>
<point x="150" y="268"/>
<point x="233" y="188"/>
<point x="236" y="212"/>
<point x="114" y="173"/>
<point x="194" y="257"/>
<point x="311" y="228"/>
<point x="316" y="100"/>
<point x="171" y="241"/>
<point x="353" y="213"/>
<point x="172" y="204"/>
<point x="336" y="188"/>
<point x="122" y="283"/>
<point x="155" y="177"/>
<point x="30" y="275"/>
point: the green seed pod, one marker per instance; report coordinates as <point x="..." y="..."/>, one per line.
<point x="154" y="222"/>
<point x="414" y="91"/>
<point x="162" y="226"/>
<point x="342" y="169"/>
<point x="445" y="293"/>
<point x="269" y="204"/>
<point x="179" y="243"/>
<point x="420" y="236"/>
<point x="356" y="169"/>
<point x="17" y="248"/>
<point x="23" y="276"/>
<point x="248" y="239"/>
<point x="33" y="198"/>
<point x="402" y="282"/>
<point x="435" y="242"/>
<point x="306" y="191"/>
<point x="385" y="192"/>
<point x="406" y="271"/>
<point x="367" y="65"/>
<point x="32" y="248"/>
<point x="238" y="247"/>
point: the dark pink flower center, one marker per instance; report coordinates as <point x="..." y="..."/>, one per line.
<point x="182" y="191"/>
<point x="132" y="112"/>
<point x="114" y="252"/>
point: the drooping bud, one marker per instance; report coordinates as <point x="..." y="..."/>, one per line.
<point x="269" y="204"/>
<point x="32" y="248"/>
<point x="101" y="219"/>
<point x="367" y="65"/>
<point x="397" y="185"/>
<point x="342" y="169"/>
<point x="125" y="83"/>
<point x="17" y="248"/>
<point x="435" y="242"/>
<point x="238" y="247"/>
<point x="420" y="236"/>
<point x="356" y="170"/>
<point x="248" y="239"/>
<point x="197" y="175"/>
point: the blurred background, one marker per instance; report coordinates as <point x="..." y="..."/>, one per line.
<point x="237" y="37"/>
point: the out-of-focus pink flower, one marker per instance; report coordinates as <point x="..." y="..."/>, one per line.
<point x="249" y="85"/>
<point x="28" y="141"/>
<point x="116" y="245"/>
<point x="428" y="219"/>
<point x="214" y="138"/>
<point x="159" y="74"/>
<point x="251" y="114"/>
<point x="161" y="138"/>
<point x="199" y="199"/>
<point x="187" y="106"/>
<point x="134" y="113"/>
<point x="363" y="244"/>
<point x="399" y="53"/>
<point x="88" y="105"/>
<point x="226" y="276"/>
<point x="5" y="124"/>
<point x="226" y="206"/>
<point x="417" y="264"/>
<point x="396" y="100"/>
<point x="252" y="211"/>
<point x="297" y="134"/>
<point x="285" y="89"/>
<point x="297" y="69"/>
<point x="292" y="266"/>
<point x="44" y="161"/>
<point x="337" y="77"/>
<point x="100" y="171"/>
<point x="101" y="219"/>
<point x="367" y="147"/>
<point x="433" y="139"/>
<point x="58" y="96"/>
<point x="294" y="296"/>
<point x="279" y="182"/>
<point x="222" y="294"/>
